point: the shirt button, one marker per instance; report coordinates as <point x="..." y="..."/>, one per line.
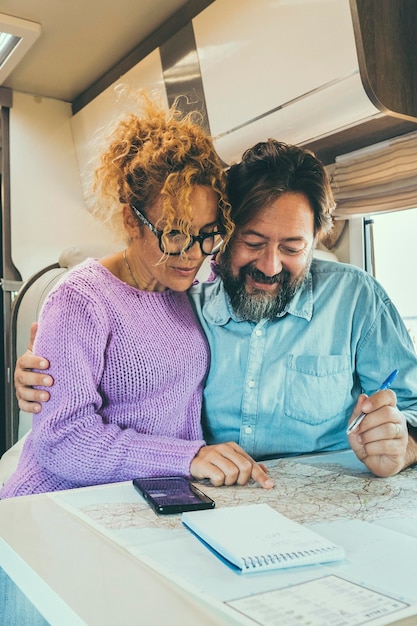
<point x="248" y="430"/>
<point x="258" y="332"/>
<point x="251" y="383"/>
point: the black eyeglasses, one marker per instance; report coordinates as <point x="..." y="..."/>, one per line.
<point x="175" y="242"/>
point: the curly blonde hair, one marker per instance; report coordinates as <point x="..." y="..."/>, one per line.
<point x="159" y="154"/>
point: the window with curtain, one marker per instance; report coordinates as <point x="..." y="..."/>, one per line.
<point x="380" y="183"/>
<point x="377" y="179"/>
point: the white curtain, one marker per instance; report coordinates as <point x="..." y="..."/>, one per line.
<point x="377" y="179"/>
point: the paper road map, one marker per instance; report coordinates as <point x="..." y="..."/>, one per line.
<point x="304" y="493"/>
<point x="356" y="504"/>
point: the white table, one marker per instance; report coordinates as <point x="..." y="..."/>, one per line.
<point x="85" y="577"/>
<point x="103" y="584"/>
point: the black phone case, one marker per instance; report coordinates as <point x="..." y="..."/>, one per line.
<point x="181" y="504"/>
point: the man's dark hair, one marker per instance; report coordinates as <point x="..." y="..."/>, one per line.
<point x="272" y="168"/>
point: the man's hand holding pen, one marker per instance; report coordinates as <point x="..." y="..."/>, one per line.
<point x="381" y="440"/>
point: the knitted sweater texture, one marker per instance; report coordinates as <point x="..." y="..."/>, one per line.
<point x="129" y="368"/>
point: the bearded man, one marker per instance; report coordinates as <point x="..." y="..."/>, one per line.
<point x="299" y="343"/>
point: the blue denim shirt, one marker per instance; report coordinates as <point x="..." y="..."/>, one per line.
<point x="289" y="385"/>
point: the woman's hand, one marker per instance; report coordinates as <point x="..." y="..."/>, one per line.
<point x="228" y="464"/>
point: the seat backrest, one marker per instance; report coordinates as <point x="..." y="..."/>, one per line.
<point x="26" y="308"/>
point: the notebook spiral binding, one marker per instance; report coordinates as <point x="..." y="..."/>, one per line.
<point x="253" y="562"/>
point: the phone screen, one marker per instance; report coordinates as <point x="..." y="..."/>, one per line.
<point x="172" y="494"/>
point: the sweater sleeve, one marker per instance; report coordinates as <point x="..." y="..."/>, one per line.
<point x="70" y="437"/>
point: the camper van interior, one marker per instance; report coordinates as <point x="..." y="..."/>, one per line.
<point x="335" y="76"/>
<point x="338" y="77"/>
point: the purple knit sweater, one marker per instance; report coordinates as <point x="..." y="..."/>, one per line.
<point x="129" y="368"/>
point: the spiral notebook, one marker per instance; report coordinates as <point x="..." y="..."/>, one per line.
<point x="256" y="538"/>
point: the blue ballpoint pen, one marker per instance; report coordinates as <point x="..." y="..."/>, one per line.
<point x="387" y="383"/>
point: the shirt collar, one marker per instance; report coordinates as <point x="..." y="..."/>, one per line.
<point x="218" y="309"/>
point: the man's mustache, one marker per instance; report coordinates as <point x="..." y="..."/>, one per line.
<point x="260" y="277"/>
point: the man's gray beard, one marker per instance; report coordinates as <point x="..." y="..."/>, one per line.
<point x="259" y="304"/>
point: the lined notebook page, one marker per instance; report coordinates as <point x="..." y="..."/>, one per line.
<point x="257" y="538"/>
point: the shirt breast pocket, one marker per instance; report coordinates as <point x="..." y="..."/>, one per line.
<point x="317" y="388"/>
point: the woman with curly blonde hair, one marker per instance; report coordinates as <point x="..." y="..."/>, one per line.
<point x="128" y="357"/>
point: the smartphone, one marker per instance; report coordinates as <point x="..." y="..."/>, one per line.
<point x="172" y="494"/>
